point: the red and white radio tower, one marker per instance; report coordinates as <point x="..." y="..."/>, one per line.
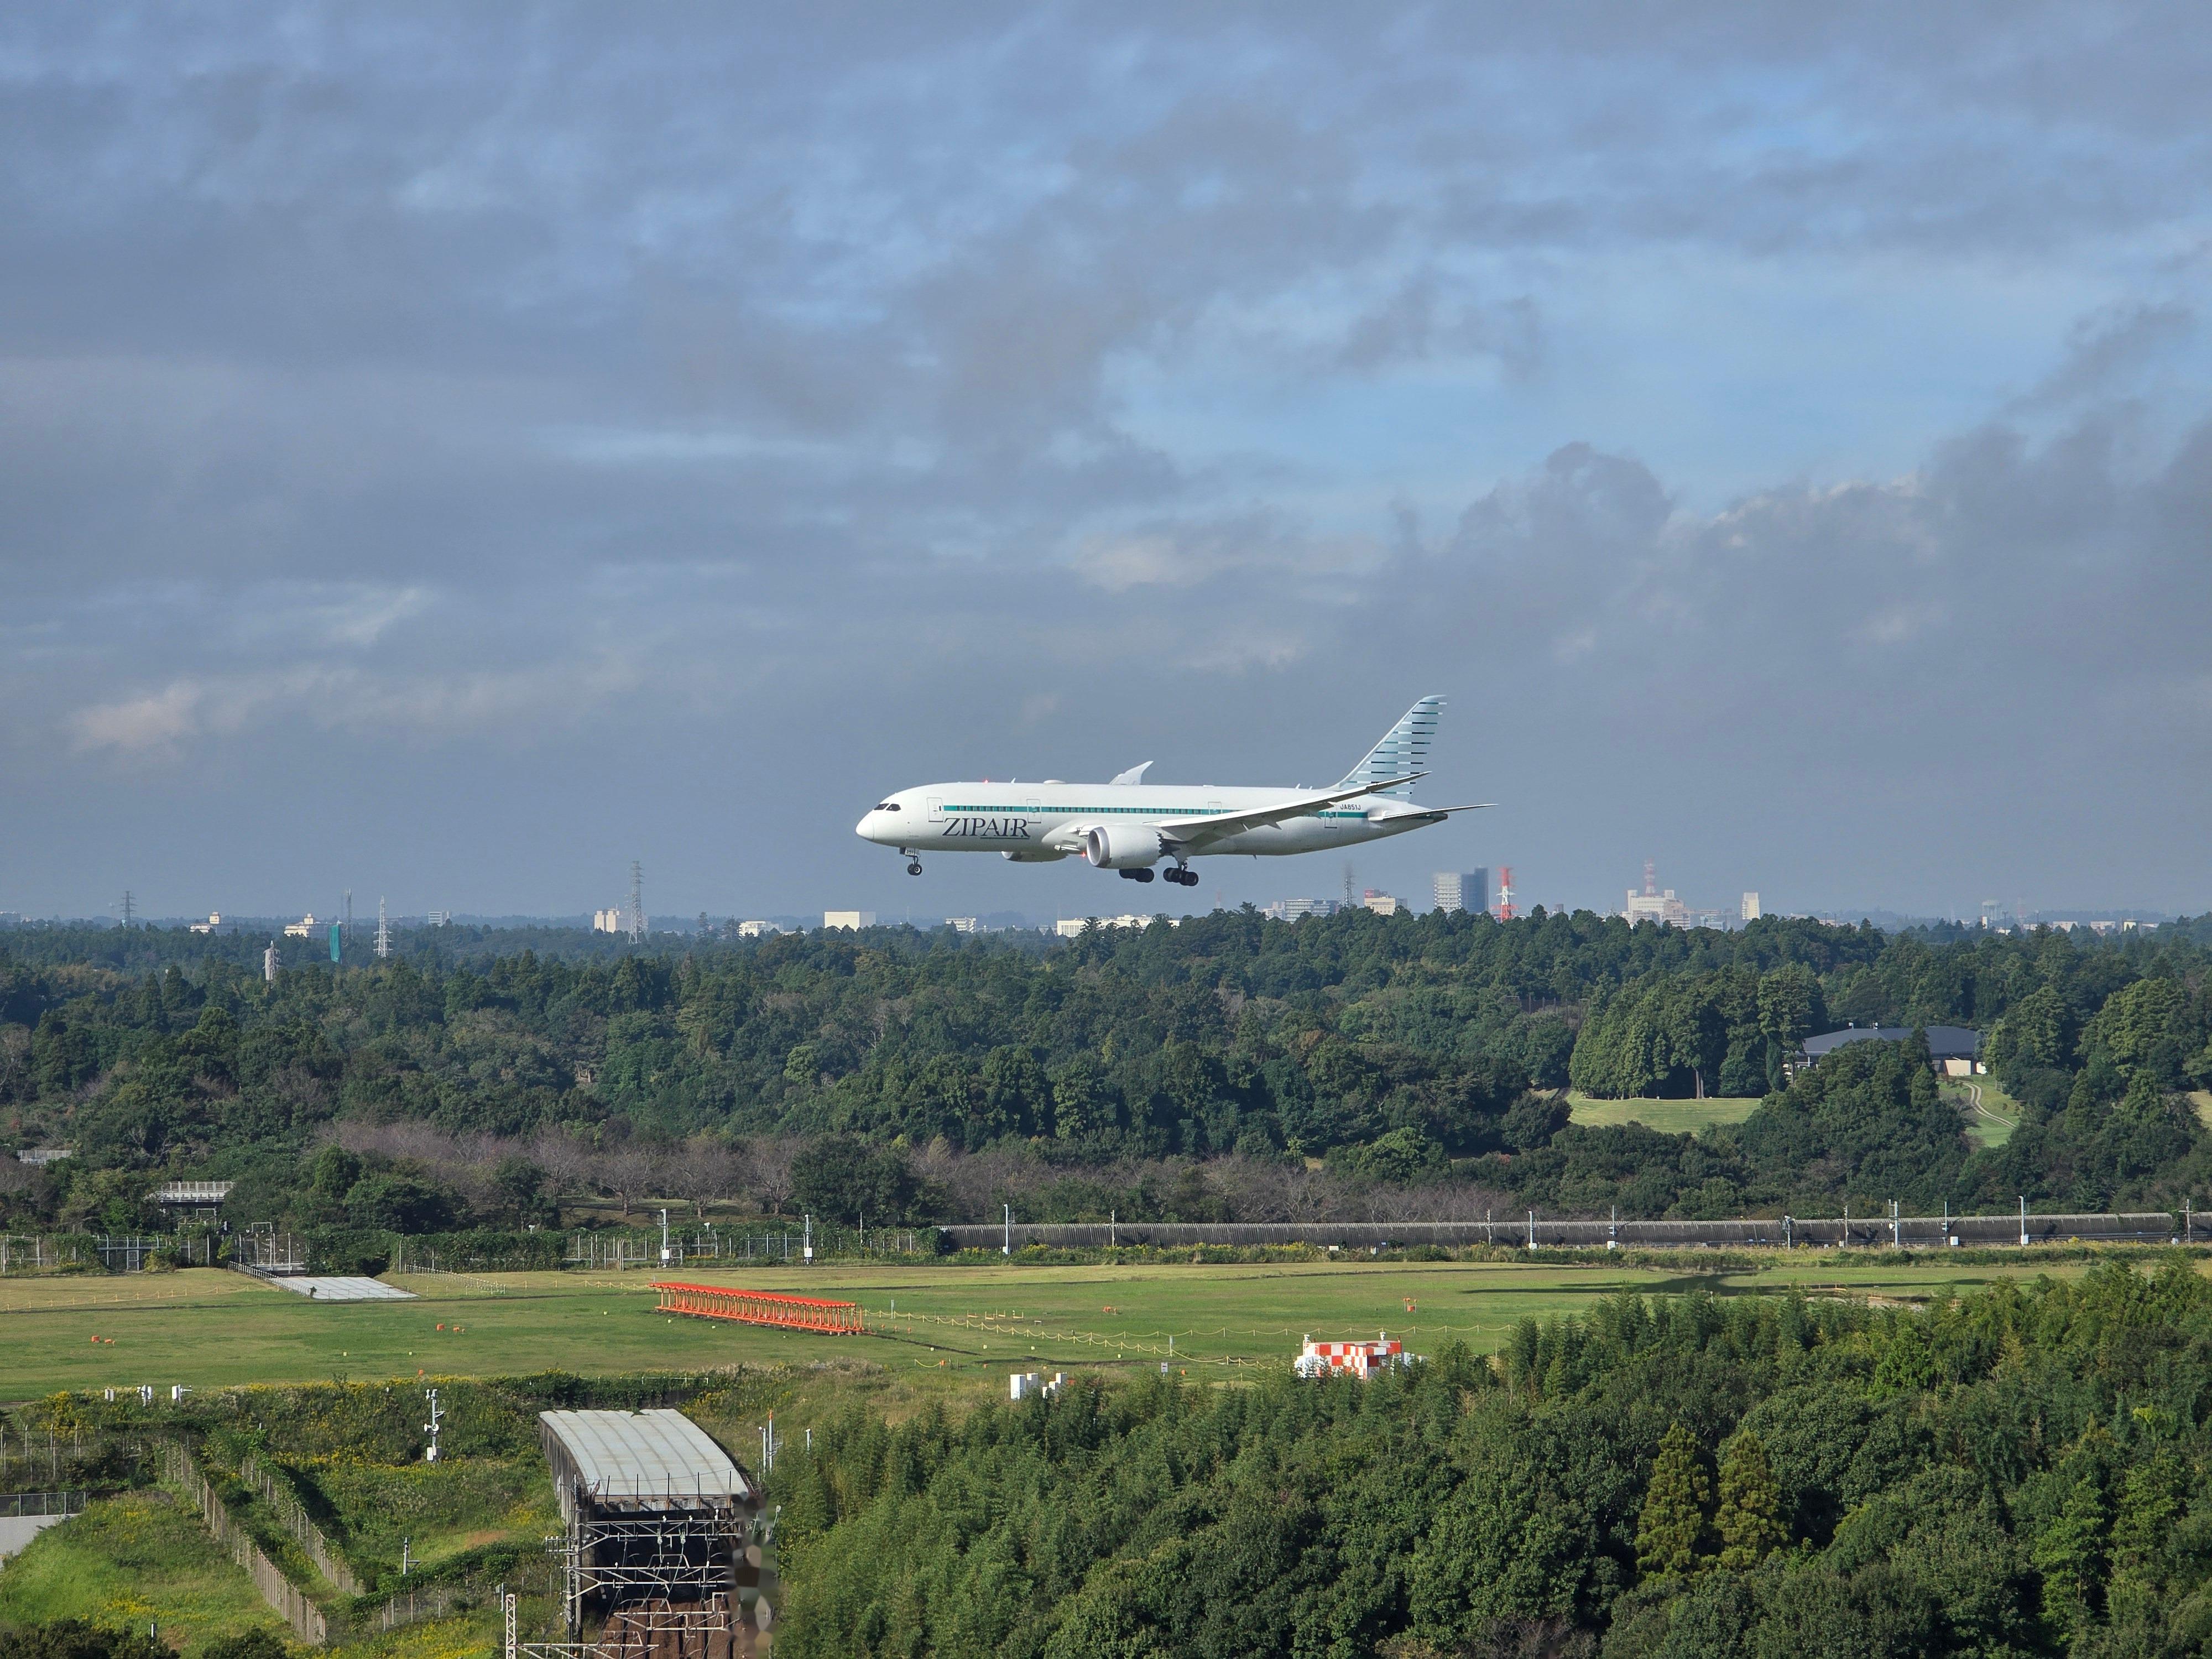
<point x="1505" y="892"/>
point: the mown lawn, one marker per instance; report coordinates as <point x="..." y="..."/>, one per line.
<point x="1671" y="1117"/>
<point x="944" y="1319"/>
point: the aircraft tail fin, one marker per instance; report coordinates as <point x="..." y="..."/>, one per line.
<point x="1404" y="749"/>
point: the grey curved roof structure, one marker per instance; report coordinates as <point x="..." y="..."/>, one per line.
<point x="649" y="1455"/>
<point x="1944" y="1042"/>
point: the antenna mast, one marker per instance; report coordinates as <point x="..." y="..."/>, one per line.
<point x="636" y="903"/>
<point x="349" y="916"/>
<point x="1505" y="892"/>
<point x="126" y="907"/>
<point x="383" y="930"/>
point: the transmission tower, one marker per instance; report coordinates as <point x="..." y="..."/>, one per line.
<point x="636" y="903"/>
<point x="126" y="907"/>
<point x="383" y="930"/>
<point x="1348" y="884"/>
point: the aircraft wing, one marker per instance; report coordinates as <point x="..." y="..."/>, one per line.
<point x="1192" y="834"/>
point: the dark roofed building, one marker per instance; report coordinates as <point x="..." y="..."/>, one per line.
<point x="1955" y="1050"/>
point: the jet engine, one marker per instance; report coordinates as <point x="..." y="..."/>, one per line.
<point x="1123" y="846"/>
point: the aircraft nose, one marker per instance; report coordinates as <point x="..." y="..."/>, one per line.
<point x="864" y="828"/>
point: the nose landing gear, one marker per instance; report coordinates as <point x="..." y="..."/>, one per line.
<point x="913" y="863"/>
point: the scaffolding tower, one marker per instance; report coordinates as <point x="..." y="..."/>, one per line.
<point x="666" y="1541"/>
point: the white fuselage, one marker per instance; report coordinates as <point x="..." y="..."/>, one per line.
<point x="1037" y="822"/>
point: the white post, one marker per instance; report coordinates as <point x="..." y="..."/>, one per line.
<point x="664" y="1238"/>
<point x="1007" y="1248"/>
<point x="2023" y="1218"/>
<point x="1532" y="1230"/>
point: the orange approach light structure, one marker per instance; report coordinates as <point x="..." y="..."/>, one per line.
<point x="789" y="1313"/>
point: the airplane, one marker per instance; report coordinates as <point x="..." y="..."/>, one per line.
<point x="1132" y="826"/>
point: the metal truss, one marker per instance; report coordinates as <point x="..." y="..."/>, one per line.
<point x="695" y="1553"/>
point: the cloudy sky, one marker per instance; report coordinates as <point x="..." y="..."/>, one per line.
<point x="450" y="452"/>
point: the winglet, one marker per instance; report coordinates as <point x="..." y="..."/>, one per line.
<point x="1134" y="775"/>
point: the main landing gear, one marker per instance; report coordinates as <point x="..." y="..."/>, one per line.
<point x="1136" y="875"/>
<point x="1183" y="874"/>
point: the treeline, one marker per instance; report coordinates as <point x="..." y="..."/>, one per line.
<point x="2021" y="1472"/>
<point x="1150" y="1072"/>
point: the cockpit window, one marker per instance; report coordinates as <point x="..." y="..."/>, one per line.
<point x="887" y="806"/>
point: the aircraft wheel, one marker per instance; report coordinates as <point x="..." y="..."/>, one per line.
<point x="914" y="869"/>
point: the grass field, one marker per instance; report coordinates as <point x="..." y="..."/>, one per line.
<point x="2202" y="1099"/>
<point x="128" y="1560"/>
<point x="144" y="1559"/>
<point x="1668" y="1116"/>
<point x="1991" y="1113"/>
<point x="208" y="1329"/>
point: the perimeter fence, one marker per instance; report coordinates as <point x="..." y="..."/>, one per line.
<point x="1533" y="1230"/>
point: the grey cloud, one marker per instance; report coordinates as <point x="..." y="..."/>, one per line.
<point x="394" y="393"/>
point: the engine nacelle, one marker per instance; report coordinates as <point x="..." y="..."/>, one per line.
<point x="1123" y="847"/>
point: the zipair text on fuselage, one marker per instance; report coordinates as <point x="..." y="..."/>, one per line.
<point x="965" y="829"/>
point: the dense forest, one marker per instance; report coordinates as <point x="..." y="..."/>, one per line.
<point x="1230" y="1068"/>
<point x="2021" y="1472"/>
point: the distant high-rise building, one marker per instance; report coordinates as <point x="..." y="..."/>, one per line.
<point x="609" y="921"/>
<point x="1653" y="905"/>
<point x="1461" y="890"/>
<point x="269" y="963"/>
<point x="1382" y="903"/>
<point x="1751" y="910"/>
<point x="1292" y="909"/>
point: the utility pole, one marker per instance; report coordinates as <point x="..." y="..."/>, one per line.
<point x="383" y="931"/>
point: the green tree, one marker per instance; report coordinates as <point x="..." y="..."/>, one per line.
<point x="1671" y="1532"/>
<point x="1789" y="1006"/>
<point x="1749" y="1519"/>
<point x="2070" y="1555"/>
<point x="74" y="1638"/>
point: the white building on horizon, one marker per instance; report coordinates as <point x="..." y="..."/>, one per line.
<point x="854" y="919"/>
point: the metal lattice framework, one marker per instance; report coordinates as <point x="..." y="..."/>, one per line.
<point x="792" y="1313"/>
<point x="673" y="1552"/>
